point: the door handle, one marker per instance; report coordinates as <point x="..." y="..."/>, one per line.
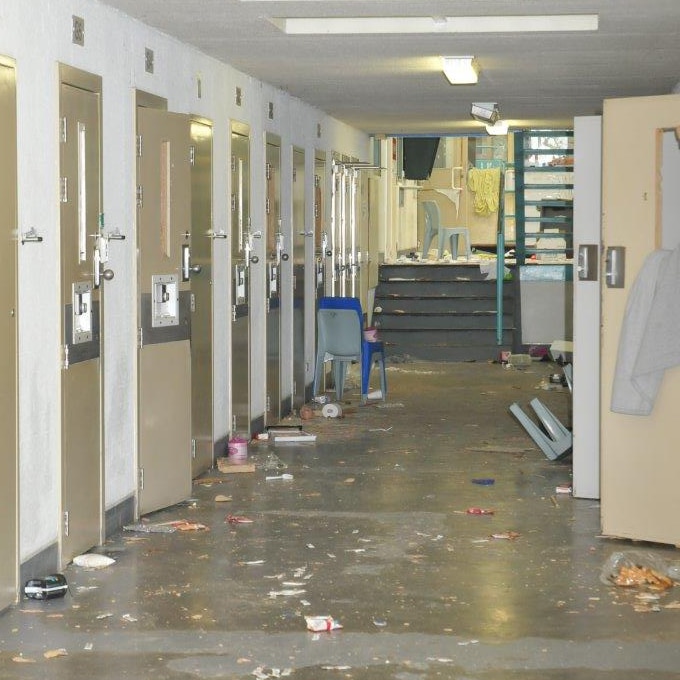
<point x="587" y="262"/>
<point x="615" y="267"/>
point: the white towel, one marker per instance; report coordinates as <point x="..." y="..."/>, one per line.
<point x="650" y="334"/>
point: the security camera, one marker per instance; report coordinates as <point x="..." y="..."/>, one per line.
<point x="485" y="112"/>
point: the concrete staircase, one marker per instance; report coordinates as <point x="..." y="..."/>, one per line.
<point x="441" y="312"/>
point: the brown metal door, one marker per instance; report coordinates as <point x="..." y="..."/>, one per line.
<point x="241" y="242"/>
<point x="81" y="435"/>
<point x="274" y="253"/>
<point x="164" y="307"/>
<point x="299" y="240"/>
<point x="201" y="288"/>
<point x="8" y="336"/>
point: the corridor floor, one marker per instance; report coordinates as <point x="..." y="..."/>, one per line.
<point x="372" y="530"/>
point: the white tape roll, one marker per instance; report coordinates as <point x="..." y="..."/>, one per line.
<point x="331" y="411"/>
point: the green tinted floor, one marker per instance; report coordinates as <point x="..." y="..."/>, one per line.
<point x="371" y="530"/>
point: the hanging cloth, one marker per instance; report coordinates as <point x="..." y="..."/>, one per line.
<point x="485" y="183"/>
<point x="648" y="344"/>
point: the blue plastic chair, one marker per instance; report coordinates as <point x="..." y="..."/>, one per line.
<point x="369" y="352"/>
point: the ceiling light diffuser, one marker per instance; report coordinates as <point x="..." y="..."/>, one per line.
<point x="500" y="127"/>
<point x="515" y="23"/>
<point x="461" y="70"/>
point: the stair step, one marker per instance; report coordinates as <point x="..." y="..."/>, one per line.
<point x="438" y="304"/>
<point x="435" y="322"/>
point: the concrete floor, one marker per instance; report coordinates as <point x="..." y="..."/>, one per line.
<point x="373" y="528"/>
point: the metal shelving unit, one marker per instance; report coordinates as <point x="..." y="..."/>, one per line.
<point x="543" y="164"/>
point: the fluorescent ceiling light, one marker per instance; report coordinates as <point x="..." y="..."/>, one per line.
<point x="461" y="70"/>
<point x="485" y="112"/>
<point x="536" y="23"/>
<point x="500" y="127"/>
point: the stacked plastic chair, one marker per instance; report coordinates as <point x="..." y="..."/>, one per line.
<point x="340" y="338"/>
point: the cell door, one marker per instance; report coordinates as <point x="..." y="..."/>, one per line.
<point x="299" y="239"/>
<point x="274" y="250"/>
<point x="164" y="308"/>
<point x="8" y="333"/>
<point x="201" y="289"/>
<point x="321" y="242"/>
<point x="241" y="246"/>
<point x="81" y="431"/>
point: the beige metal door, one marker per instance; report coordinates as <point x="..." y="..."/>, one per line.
<point x="8" y="335"/>
<point x="275" y="252"/>
<point x="321" y="243"/>
<point x="201" y="288"/>
<point x="640" y="465"/>
<point x="241" y="245"/>
<point x="299" y="240"/>
<point x="164" y="307"/>
<point x="81" y="434"/>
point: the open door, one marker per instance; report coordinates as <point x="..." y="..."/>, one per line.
<point x="202" y="441"/>
<point x="165" y="269"/>
<point x="81" y="281"/>
<point x="299" y="240"/>
<point x="641" y="175"/>
<point x="241" y="248"/>
<point x="275" y="253"/>
<point x="9" y="559"/>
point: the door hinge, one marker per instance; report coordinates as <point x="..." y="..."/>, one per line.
<point x="268" y="407"/>
<point x="63" y="129"/>
<point x="63" y="189"/>
<point x="294" y="387"/>
<point x="233" y="163"/>
<point x="233" y="203"/>
<point x="317" y="181"/>
<point x="294" y="174"/>
<point x="140" y="196"/>
<point x="139" y="146"/>
<point x="140" y="337"/>
<point x="268" y="171"/>
<point x="294" y="281"/>
<point x="192" y="155"/>
<point x="193" y="448"/>
<point x="268" y="306"/>
<point x="64" y="362"/>
<point x="267" y="206"/>
<point x="192" y="303"/>
<point x="233" y="423"/>
<point x="233" y="312"/>
<point x="140" y="480"/>
<point x="66" y="523"/>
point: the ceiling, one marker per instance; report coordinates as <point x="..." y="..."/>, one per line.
<point x="393" y="84"/>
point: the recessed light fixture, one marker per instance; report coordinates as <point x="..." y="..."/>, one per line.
<point x="516" y="23"/>
<point x="461" y="70"/>
<point x="485" y="112"/>
<point x="500" y="127"/>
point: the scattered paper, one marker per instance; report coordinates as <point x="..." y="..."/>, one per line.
<point x="93" y="561"/>
<point x="287" y="592"/>
<point x="54" y="653"/>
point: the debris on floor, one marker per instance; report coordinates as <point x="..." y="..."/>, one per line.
<point x="186" y="525"/>
<point x="636" y="569"/>
<point x="506" y="535"/>
<point x="225" y="466"/>
<point x="238" y="519"/>
<point x="319" y="624"/>
<point x="93" y="561"/>
<point x="149" y="528"/>
<point x="46" y="588"/>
